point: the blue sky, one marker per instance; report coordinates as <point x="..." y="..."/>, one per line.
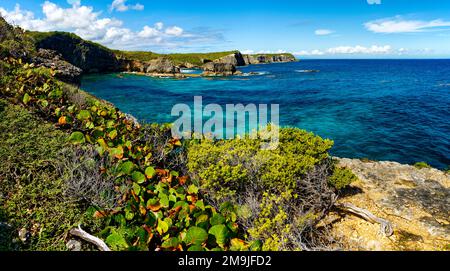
<point x="308" y="28"/>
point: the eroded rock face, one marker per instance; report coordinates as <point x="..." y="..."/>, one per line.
<point x="236" y="59"/>
<point x="161" y="65"/>
<point x="88" y="56"/>
<point x="415" y="201"/>
<point x="263" y="59"/>
<point x="218" y="69"/>
<point x="64" y="70"/>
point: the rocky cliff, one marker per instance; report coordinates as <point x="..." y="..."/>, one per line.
<point x="416" y="202"/>
<point x="86" y="55"/>
<point x="161" y="65"/>
<point x="268" y="58"/>
<point x="64" y="70"/>
<point x="219" y="69"/>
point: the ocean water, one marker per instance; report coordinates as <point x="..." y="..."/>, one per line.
<point x="389" y="110"/>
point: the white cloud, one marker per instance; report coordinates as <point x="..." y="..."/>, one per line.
<point x="400" y="25"/>
<point x="174" y="31"/>
<point x="374" y="49"/>
<point x="323" y="32"/>
<point x="354" y="50"/>
<point x="252" y="52"/>
<point x="89" y="24"/>
<point x="121" y="6"/>
<point x="309" y="53"/>
<point x="374" y="2"/>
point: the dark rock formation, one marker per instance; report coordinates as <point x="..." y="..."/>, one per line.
<point x="64" y="70"/>
<point x="88" y="56"/>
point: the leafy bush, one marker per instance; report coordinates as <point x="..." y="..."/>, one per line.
<point x="227" y="167"/>
<point x="421" y="165"/>
<point x="341" y="178"/>
<point x="162" y="209"/>
<point x="280" y="194"/>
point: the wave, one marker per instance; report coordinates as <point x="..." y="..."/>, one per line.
<point x="307" y="71"/>
<point x="189" y="71"/>
<point x="255" y="73"/>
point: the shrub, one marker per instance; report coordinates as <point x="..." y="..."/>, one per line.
<point x="280" y="194"/>
<point x="226" y="167"/>
<point x="341" y="178"/>
<point x="84" y="181"/>
<point x="421" y="165"/>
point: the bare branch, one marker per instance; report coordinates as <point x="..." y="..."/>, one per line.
<point x="90" y="238"/>
<point x="386" y="226"/>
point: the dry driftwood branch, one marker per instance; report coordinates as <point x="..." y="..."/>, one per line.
<point x="89" y="238"/>
<point x="386" y="227"/>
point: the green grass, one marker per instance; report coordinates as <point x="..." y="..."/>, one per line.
<point x="178" y="59"/>
<point x="193" y="58"/>
<point x="272" y="55"/>
<point x="41" y="36"/>
<point x="31" y="184"/>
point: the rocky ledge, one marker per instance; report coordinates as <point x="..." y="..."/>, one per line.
<point x="227" y="65"/>
<point x="416" y="202"/>
<point x="161" y="65"/>
<point x="64" y="70"/>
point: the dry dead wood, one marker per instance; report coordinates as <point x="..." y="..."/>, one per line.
<point x="386" y="226"/>
<point x="90" y="238"/>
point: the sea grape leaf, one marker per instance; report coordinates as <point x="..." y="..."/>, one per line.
<point x="196" y="236"/>
<point x="77" y="138"/>
<point x="221" y="233"/>
<point x="138" y="177"/>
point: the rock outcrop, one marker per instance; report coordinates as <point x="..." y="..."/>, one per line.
<point x="218" y="69"/>
<point x="236" y="59"/>
<point x="64" y="70"/>
<point x="86" y="55"/>
<point x="161" y="65"/>
<point x="415" y="201"/>
<point x="265" y="59"/>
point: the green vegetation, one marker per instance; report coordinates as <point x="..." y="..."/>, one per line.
<point x="279" y="196"/>
<point x="39" y="37"/>
<point x="341" y="178"/>
<point x="70" y="158"/>
<point x="160" y="208"/>
<point x="13" y="42"/>
<point x="33" y="184"/>
<point x="155" y="192"/>
<point x="277" y="54"/>
<point x="178" y="59"/>
<point x="421" y="165"/>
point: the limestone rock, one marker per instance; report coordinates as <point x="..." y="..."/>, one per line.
<point x="264" y="58"/>
<point x="64" y="70"/>
<point x="236" y="59"/>
<point x="161" y="65"/>
<point x="415" y="201"/>
<point x="73" y="245"/>
<point x="218" y="69"/>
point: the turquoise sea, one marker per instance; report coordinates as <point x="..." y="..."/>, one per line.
<point x="396" y="110"/>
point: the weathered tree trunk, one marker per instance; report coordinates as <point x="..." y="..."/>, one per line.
<point x="90" y="238"/>
<point x="386" y="227"/>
